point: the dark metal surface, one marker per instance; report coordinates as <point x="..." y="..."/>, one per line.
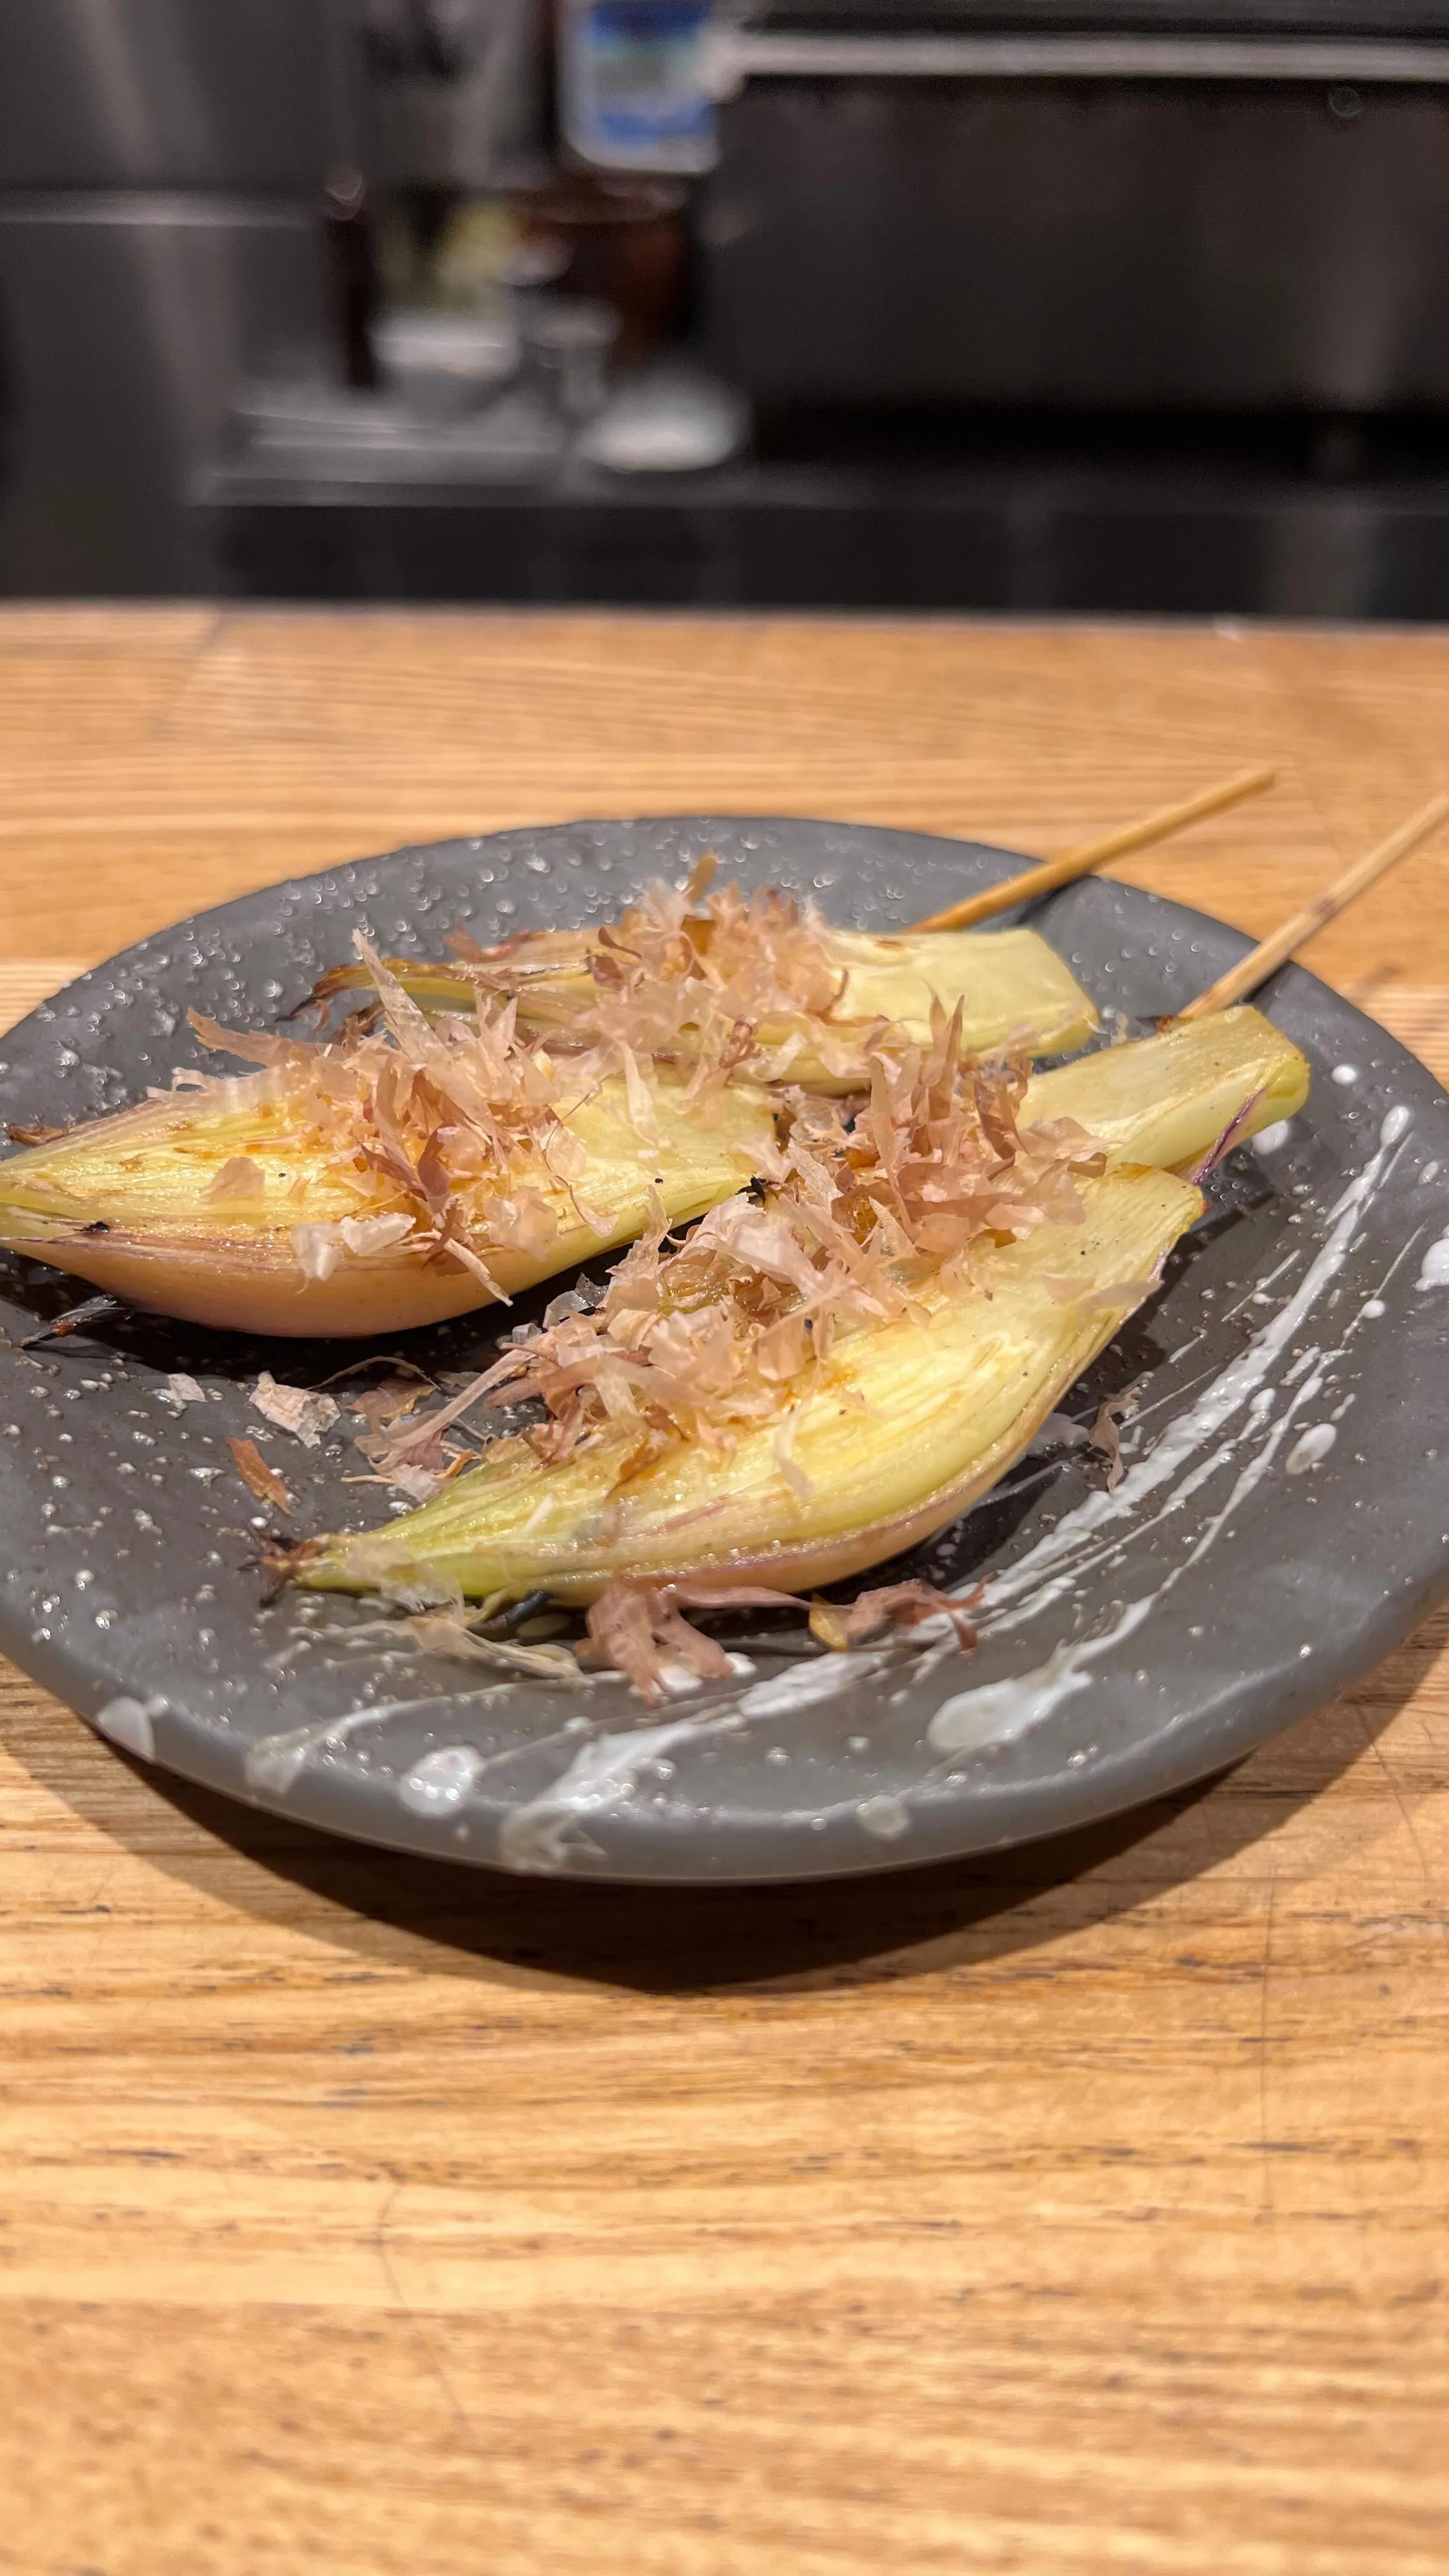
<point x="1233" y="1581"/>
<point x="459" y="92"/>
<point x="1080" y="243"/>
<point x="166" y="93"/>
<point x="126" y="324"/>
<point x="1425" y="19"/>
<point x="160" y="161"/>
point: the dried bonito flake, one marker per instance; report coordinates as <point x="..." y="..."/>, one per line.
<point x="257" y="1476"/>
<point x="181" y="1390"/>
<point x="841" y="1625"/>
<point x="294" y="1408"/>
<point x="756" y="984"/>
<point x="640" y="1628"/>
<point x="640" y="1469"/>
<point x="709" y="1337"/>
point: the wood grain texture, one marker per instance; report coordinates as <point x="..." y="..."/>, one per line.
<point x="1083" y="2209"/>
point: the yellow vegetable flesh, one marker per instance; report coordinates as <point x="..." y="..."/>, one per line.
<point x="172" y="1241"/>
<point x="1169" y="1099"/>
<point x="908" y="1423"/>
<point x="897" y="1433"/>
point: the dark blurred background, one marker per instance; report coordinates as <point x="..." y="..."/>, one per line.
<point x="977" y="304"/>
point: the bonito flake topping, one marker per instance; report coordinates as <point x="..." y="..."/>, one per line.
<point x="729" y="981"/>
<point x="417" y="1107"/>
<point x="700" y="1340"/>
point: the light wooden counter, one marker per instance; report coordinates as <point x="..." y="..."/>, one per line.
<point x="1084" y="2210"/>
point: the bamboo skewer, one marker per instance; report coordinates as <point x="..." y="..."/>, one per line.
<point x="1080" y="862"/>
<point x="1275" y="951"/>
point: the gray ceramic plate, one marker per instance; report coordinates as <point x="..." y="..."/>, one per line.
<point x="1282" y="1522"/>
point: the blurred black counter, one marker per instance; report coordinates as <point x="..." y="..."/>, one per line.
<point x="1286" y="518"/>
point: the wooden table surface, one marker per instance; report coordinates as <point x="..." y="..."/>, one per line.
<point x="1084" y="2209"/>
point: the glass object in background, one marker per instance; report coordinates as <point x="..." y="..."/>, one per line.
<point x="637" y="82"/>
<point x="570" y="339"/>
<point x="443" y="365"/>
<point x="583" y="237"/>
<point x="519" y="309"/>
<point x="618" y="241"/>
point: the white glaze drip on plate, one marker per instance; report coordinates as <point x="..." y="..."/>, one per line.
<point x="996" y="1712"/>
<point x="801" y="1687"/>
<point x="544" y="1832"/>
<point x="1309" y="1447"/>
<point x="275" y="1761"/>
<point x="1064" y="1551"/>
<point x="1435" y="1270"/>
<point x="442" y="1780"/>
<point x="127" y="1722"/>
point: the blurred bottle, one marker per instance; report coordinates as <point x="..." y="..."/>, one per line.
<point x="635" y="84"/>
<point x="351" y="275"/>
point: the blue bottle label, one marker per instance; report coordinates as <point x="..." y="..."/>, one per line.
<point x="635" y="86"/>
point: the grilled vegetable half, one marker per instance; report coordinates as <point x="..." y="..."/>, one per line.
<point x="808" y="1387"/>
<point x="254" y="1219"/>
<point x="899" y="1430"/>
<point x="344" y="1191"/>
<point x="1171" y="1099"/>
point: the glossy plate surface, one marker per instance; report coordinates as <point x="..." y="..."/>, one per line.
<point x="1282" y="1522"/>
